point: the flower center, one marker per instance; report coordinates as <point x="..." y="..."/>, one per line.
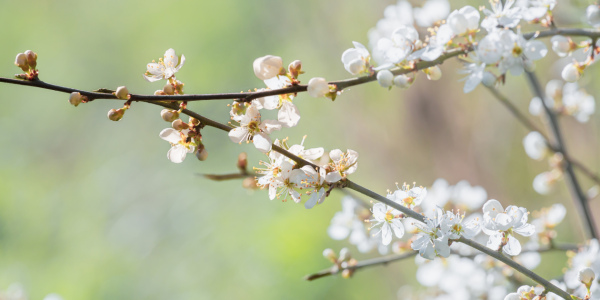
<point x="389" y="216"/>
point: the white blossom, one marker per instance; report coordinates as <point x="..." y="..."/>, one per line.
<point x="577" y="102"/>
<point x="504" y="15"/>
<point x="431" y="241"/>
<point x="165" y="68"/>
<point x="464" y="20"/>
<point x="474" y="72"/>
<point x="253" y="129"/>
<point x="407" y="196"/>
<point x="342" y="164"/>
<point x="501" y="225"/>
<point x="179" y="146"/>
<point x="389" y="219"/>
<point x="396" y="48"/>
<point x="561" y="45"/>
<point x="453" y="226"/>
<point x="431" y="12"/>
<point x="544" y="182"/>
<point x="403" y="81"/>
<point x="571" y="73"/>
<point x="356" y="60"/>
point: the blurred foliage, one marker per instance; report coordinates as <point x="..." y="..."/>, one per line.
<point x="92" y="209"/>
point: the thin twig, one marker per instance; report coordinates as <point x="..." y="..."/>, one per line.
<point x="532" y="127"/>
<point x="579" y="197"/>
<point x="393" y="258"/>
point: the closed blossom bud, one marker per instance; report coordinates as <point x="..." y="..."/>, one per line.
<point x="21" y="62"/>
<point x="250" y="183"/>
<point x="159" y="93"/>
<point x="122" y="93"/>
<point x="169" y="115"/>
<point x="403" y="81"/>
<point x="169" y="89"/>
<point x="561" y="45"/>
<point x="433" y="73"/>
<point x="593" y="15"/>
<point x="242" y="162"/>
<point x="75" y="98"/>
<point x="385" y="78"/>
<point x="344" y="254"/>
<point x="179" y="125"/>
<point x="347" y="273"/>
<point x="586" y="276"/>
<point x="31" y="58"/>
<point x="329" y="254"/>
<point x="116" y="114"/>
<point x="318" y="87"/>
<point x="194" y="121"/>
<point x="295" y="68"/>
<point x="571" y="73"/>
<point x="267" y="67"/>
<point x="201" y="153"/>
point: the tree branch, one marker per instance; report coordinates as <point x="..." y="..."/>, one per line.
<point x="385" y="260"/>
<point x="579" y="197"/>
<point x="532" y="127"/>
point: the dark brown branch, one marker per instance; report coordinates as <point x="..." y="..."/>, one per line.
<point x="532" y="127"/>
<point x="583" y="206"/>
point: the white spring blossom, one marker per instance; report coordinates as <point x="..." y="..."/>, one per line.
<point x="389" y="219"/>
<point x="165" y="68"/>
<point x="431" y="240"/>
<point x="501" y="225"/>
<point x="252" y="128"/>
<point x="535" y="145"/>
<point x="180" y="147"/>
<point x="267" y="67"/>
<point x="356" y="60"/>
<point x="341" y="165"/>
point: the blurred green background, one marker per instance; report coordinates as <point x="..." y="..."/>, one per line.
<point x="92" y="209"/>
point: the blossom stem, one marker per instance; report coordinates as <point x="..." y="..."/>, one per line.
<point x="384" y="260"/>
<point x="532" y="127"/>
<point x="579" y="197"/>
<point x="362" y="264"/>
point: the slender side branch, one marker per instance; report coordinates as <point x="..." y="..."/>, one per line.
<point x="393" y="258"/>
<point x="579" y="197"/>
<point x="384" y="260"/>
<point x="532" y="127"/>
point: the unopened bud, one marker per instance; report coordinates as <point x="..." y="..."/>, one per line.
<point x="249" y="183"/>
<point x="347" y="273"/>
<point x="385" y="78"/>
<point x="403" y="81"/>
<point x="21" y="62"/>
<point x="267" y="67"/>
<point x="242" y="162"/>
<point x="586" y="276"/>
<point x="295" y="68"/>
<point x="169" y="89"/>
<point x="344" y="254"/>
<point x="159" y="93"/>
<point x="169" y="115"/>
<point x="116" y="114"/>
<point x="433" y="73"/>
<point x="179" y="125"/>
<point x="31" y="58"/>
<point x="318" y="87"/>
<point x="330" y="255"/>
<point x="122" y="93"/>
<point x="201" y="153"/>
<point x="75" y="98"/>
<point x="489" y="79"/>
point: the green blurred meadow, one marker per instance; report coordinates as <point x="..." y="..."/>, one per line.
<point x="92" y="209"/>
